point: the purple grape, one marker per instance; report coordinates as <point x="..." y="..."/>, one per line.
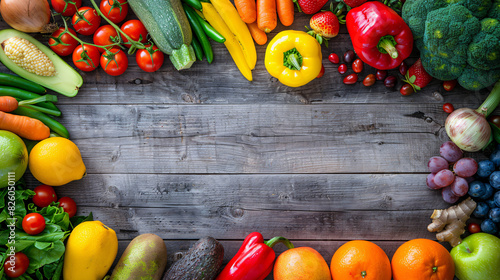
<point x="450" y="152"/>
<point x="459" y="187"/>
<point x="430" y="182"/>
<point x="444" y="178"/>
<point x="448" y="195"/>
<point x="465" y="167"/>
<point x="437" y="164"/>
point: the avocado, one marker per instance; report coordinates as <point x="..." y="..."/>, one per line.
<point x="202" y="262"/>
<point x="145" y="258"/>
<point x="66" y="80"/>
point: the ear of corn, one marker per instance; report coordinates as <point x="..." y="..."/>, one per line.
<point x="27" y="56"/>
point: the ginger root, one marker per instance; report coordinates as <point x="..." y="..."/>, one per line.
<point x="452" y="220"/>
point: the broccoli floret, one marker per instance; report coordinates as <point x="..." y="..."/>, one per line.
<point x="448" y="32"/>
<point x="415" y="13"/>
<point x="495" y="10"/>
<point x="478" y="9"/>
<point x="439" y="67"/>
<point x="476" y="79"/>
<point x="484" y="51"/>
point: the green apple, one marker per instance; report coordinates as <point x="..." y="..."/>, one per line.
<point x="477" y="257"/>
<point x="14" y="157"/>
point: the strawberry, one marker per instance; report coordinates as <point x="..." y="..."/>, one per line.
<point x="310" y="6"/>
<point x="417" y="77"/>
<point x="325" y="25"/>
<point x="354" y="3"/>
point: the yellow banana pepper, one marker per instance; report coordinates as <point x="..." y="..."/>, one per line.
<point x="294" y="58"/>
<point x="231" y="43"/>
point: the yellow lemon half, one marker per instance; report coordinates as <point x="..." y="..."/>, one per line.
<point x="56" y="161"/>
<point x="90" y="251"/>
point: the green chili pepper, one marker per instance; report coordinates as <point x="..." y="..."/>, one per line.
<point x="198" y="31"/>
<point x="209" y="30"/>
<point x="25" y="95"/>
<point x="197" y="48"/>
<point x="18" y="82"/>
<point x="193" y="3"/>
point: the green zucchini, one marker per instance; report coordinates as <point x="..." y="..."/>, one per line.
<point x="169" y="28"/>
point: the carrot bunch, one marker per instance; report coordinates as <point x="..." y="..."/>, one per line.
<point x="261" y="16"/>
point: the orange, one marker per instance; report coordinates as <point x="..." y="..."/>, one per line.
<point x="422" y="259"/>
<point x="301" y="263"/>
<point x="360" y="259"/>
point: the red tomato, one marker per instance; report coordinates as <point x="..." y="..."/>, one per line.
<point x="65" y="7"/>
<point x="86" y="21"/>
<point x="149" y="59"/>
<point x="114" y="62"/>
<point x="44" y="196"/>
<point x="448" y="108"/>
<point x="136" y="30"/>
<point x="321" y="72"/>
<point x="33" y="223"/>
<point x="495" y="119"/>
<point x="68" y="205"/>
<point x="105" y="35"/>
<point x="474" y="228"/>
<point x="114" y="10"/>
<point x="16" y="265"/>
<point x="357" y="66"/>
<point x="351" y="79"/>
<point x="449" y="85"/>
<point x="86" y="59"/>
<point x="63" y="44"/>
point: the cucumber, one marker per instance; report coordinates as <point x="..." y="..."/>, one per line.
<point x="169" y="28"/>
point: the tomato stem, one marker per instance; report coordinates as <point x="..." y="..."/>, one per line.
<point x="82" y="42"/>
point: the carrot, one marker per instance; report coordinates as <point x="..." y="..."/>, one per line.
<point x="247" y="10"/>
<point x="266" y="15"/>
<point x="8" y="103"/>
<point x="259" y="36"/>
<point x="25" y="127"/>
<point x="285" y="11"/>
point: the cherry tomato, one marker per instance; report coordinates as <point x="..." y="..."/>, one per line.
<point x="357" y="66"/>
<point x="449" y="85"/>
<point x="381" y="75"/>
<point x="62" y="43"/>
<point x="369" y="80"/>
<point x="44" y="196"/>
<point x="16" y="265"/>
<point x="342" y="68"/>
<point x="474" y="228"/>
<point x="406" y="90"/>
<point x="33" y="223"/>
<point x="403" y="68"/>
<point x="66" y="8"/>
<point x="114" y="10"/>
<point x="448" y="108"/>
<point x="349" y="56"/>
<point x="149" y="59"/>
<point x="351" y="79"/>
<point x="114" y="62"/>
<point x="105" y="35"/>
<point x="495" y="119"/>
<point x="390" y="81"/>
<point x="86" y="21"/>
<point x="68" y="204"/>
<point x="136" y="30"/>
<point x="334" y="58"/>
<point x="321" y="72"/>
<point x="86" y="58"/>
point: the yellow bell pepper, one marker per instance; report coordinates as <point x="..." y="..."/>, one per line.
<point x="294" y="58"/>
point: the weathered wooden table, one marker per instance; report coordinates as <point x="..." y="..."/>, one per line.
<point x="205" y="152"/>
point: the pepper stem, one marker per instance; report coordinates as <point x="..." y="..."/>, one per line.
<point x="387" y="44"/>
<point x="292" y="59"/>
<point x="279" y="239"/>
<point x="491" y="101"/>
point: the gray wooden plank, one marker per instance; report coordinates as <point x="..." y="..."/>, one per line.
<point x="256" y="138"/>
<point x="338" y="192"/>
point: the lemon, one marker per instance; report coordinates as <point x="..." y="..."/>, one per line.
<point x="90" y="251"/>
<point x="56" y="161"/>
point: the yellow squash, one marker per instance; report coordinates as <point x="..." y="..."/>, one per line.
<point x="239" y="28"/>
<point x="231" y="43"/>
<point x="90" y="251"/>
<point x="294" y="57"/>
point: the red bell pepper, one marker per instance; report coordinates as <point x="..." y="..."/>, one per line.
<point x="254" y="260"/>
<point x="379" y="35"/>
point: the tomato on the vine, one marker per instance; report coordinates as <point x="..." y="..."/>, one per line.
<point x="86" y="58"/>
<point x="44" y="196"/>
<point x="68" y="204"/>
<point x="86" y="21"/>
<point x="105" y="35"/>
<point x="62" y="43"/>
<point x="16" y="265"/>
<point x="114" y="62"/>
<point x="114" y="10"/>
<point x="33" y="223"/>
<point x="66" y="8"/>
<point x="149" y="59"/>
<point x="136" y="30"/>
